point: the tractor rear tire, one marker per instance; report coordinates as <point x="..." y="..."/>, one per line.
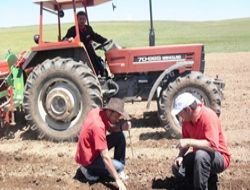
<point x="58" y="95"/>
<point x="196" y="83"/>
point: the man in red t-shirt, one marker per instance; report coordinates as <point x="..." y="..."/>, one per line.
<point x="201" y="130"/>
<point x="93" y="144"/>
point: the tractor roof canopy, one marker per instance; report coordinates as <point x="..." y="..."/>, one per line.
<point x="67" y="4"/>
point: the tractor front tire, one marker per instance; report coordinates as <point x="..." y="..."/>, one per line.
<point x="58" y="95"/>
<point x="196" y="83"/>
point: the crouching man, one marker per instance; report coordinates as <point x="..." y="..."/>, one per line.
<point x="201" y="131"/>
<point x="93" y="144"/>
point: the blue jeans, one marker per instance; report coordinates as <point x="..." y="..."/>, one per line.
<point x="118" y="141"/>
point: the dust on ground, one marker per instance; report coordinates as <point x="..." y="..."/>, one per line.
<point x="26" y="163"/>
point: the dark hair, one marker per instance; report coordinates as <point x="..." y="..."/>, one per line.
<point x="81" y="13"/>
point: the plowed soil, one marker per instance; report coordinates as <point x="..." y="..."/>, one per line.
<point x="27" y="163"/>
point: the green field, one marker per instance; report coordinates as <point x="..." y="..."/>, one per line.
<point x="218" y="36"/>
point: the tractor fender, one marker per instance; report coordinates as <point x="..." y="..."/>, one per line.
<point x="176" y="66"/>
<point x="37" y="57"/>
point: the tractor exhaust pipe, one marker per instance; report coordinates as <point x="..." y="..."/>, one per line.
<point x="151" y="32"/>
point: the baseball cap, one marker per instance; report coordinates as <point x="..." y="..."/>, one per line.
<point x="183" y="101"/>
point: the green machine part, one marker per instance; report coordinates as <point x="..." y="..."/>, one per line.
<point x="14" y="79"/>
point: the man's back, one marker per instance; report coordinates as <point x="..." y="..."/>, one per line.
<point x="92" y="137"/>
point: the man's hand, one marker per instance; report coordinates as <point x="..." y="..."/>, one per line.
<point x="126" y="126"/>
<point x="110" y="167"/>
<point x="178" y="161"/>
<point x="120" y="184"/>
<point x="184" y="143"/>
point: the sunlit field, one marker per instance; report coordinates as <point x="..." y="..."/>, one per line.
<point x="217" y="36"/>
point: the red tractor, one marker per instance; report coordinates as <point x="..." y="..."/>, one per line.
<point x="60" y="84"/>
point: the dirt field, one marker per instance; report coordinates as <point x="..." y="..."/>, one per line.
<point x="26" y="163"/>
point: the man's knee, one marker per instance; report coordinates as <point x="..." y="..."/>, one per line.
<point x="202" y="159"/>
<point x="118" y="166"/>
<point x="202" y="155"/>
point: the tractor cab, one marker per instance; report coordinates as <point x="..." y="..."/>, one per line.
<point x="57" y="7"/>
<point x="49" y="49"/>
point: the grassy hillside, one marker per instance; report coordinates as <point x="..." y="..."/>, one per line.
<point x="219" y="36"/>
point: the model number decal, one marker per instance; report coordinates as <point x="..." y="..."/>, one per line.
<point x="158" y="58"/>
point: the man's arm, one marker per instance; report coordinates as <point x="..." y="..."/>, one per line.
<point x="110" y="167"/>
<point x="125" y="126"/>
<point x="96" y="37"/>
<point x="71" y="33"/>
<point x="179" y="158"/>
<point x="183" y="151"/>
<point x="196" y="143"/>
<point x="184" y="145"/>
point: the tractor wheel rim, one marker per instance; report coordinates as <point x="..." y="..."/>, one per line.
<point x="51" y="106"/>
<point x="60" y="103"/>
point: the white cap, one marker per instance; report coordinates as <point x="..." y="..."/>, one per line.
<point x="183" y="101"/>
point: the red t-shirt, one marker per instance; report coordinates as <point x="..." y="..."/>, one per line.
<point x="208" y="127"/>
<point x="92" y="137"/>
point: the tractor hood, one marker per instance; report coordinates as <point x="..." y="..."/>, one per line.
<point x="67" y="4"/>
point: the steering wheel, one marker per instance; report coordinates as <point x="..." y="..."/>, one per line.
<point x="101" y="46"/>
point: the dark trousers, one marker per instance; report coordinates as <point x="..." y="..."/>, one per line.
<point x="117" y="141"/>
<point x="201" y="167"/>
<point x="97" y="63"/>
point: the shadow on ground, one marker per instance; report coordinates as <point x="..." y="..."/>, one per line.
<point x="149" y="120"/>
<point x="20" y="128"/>
<point x="108" y="182"/>
<point x="170" y="183"/>
<point x="157" y="135"/>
